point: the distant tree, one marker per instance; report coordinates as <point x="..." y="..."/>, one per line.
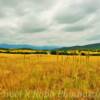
<point x="40" y="52"/>
<point x="83" y="53"/>
<point x="63" y="53"/>
<point x="53" y="52"/>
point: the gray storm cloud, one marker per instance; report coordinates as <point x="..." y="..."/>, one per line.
<point x="49" y="22"/>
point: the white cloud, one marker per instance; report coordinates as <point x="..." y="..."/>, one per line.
<point x="49" y="22"/>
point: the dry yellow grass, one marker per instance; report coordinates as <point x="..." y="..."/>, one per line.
<point x="49" y="77"/>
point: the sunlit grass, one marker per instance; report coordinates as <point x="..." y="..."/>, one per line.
<point x="48" y="77"/>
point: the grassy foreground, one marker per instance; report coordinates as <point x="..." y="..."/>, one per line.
<point x="49" y="77"/>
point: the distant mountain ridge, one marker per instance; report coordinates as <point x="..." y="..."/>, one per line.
<point x="25" y="46"/>
<point x="84" y="47"/>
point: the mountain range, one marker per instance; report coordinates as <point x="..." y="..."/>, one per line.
<point x="95" y="46"/>
<point x="25" y="46"/>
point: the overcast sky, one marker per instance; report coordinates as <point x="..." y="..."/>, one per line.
<point x="50" y="22"/>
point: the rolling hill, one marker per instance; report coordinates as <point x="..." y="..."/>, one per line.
<point x="95" y="46"/>
<point x="21" y="46"/>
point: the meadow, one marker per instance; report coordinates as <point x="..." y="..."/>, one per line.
<point x="49" y="77"/>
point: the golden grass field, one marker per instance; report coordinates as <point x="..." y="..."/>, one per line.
<point x="49" y="77"/>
